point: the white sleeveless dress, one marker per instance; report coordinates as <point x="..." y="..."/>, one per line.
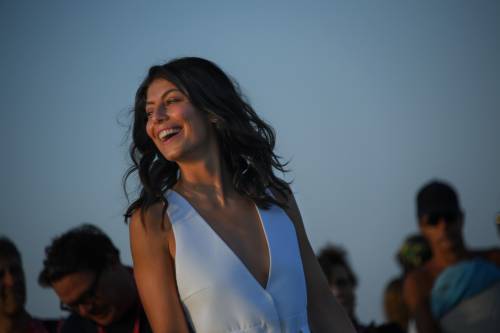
<point x="218" y="292"/>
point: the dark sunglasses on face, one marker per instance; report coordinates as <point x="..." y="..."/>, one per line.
<point x="86" y="298"/>
<point x="449" y="217"/>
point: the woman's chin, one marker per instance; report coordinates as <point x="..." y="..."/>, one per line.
<point x="170" y="155"/>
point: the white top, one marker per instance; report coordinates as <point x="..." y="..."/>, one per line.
<point x="480" y="313"/>
<point x="218" y="292"/>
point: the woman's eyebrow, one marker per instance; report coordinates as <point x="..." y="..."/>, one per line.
<point x="163" y="95"/>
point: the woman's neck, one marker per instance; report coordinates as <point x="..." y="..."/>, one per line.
<point x="205" y="180"/>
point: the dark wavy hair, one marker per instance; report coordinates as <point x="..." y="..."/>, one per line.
<point x="83" y="248"/>
<point x="8" y="249"/>
<point x="332" y="255"/>
<point x="246" y="141"/>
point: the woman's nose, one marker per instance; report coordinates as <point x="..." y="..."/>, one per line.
<point x="159" y="114"/>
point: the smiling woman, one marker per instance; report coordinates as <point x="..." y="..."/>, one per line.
<point x="186" y="130"/>
<point x="217" y="239"/>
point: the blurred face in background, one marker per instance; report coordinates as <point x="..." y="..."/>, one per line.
<point x="99" y="296"/>
<point x="342" y="287"/>
<point x="84" y="293"/>
<point x="12" y="286"/>
<point x="443" y="231"/>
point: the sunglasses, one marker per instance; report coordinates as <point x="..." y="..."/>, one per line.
<point x="86" y="298"/>
<point x="449" y="217"/>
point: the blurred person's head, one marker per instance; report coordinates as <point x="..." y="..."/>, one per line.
<point x="12" y="280"/>
<point x="413" y="253"/>
<point x="440" y="216"/>
<point x="83" y="268"/>
<point x="340" y="276"/>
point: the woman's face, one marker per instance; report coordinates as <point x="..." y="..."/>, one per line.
<point x="12" y="286"/>
<point x="177" y="128"/>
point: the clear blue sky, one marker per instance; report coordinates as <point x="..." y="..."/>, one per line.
<point x="370" y="99"/>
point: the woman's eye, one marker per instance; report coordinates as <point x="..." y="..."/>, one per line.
<point x="171" y="101"/>
<point x="149" y="114"/>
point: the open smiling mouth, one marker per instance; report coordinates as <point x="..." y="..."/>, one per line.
<point x="167" y="134"/>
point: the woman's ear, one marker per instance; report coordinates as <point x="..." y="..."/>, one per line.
<point x="216" y="122"/>
<point x="212" y="119"/>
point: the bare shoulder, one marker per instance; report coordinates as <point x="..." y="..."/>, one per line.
<point x="150" y="227"/>
<point x="153" y="219"/>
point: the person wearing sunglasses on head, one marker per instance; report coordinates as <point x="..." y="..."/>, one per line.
<point x="455" y="273"/>
<point x="14" y="318"/>
<point x="83" y="268"/>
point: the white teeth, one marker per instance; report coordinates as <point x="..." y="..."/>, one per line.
<point x="166" y="132"/>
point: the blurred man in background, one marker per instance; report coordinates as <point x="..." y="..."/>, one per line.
<point x="13" y="315"/>
<point x="83" y="268"/>
<point x="454" y="271"/>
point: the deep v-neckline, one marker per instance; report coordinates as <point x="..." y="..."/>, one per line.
<point x="229" y="249"/>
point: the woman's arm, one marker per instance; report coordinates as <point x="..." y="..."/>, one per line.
<point x="154" y="271"/>
<point x="324" y="312"/>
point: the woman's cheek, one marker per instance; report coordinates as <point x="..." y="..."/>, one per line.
<point x="149" y="130"/>
<point x="181" y="113"/>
